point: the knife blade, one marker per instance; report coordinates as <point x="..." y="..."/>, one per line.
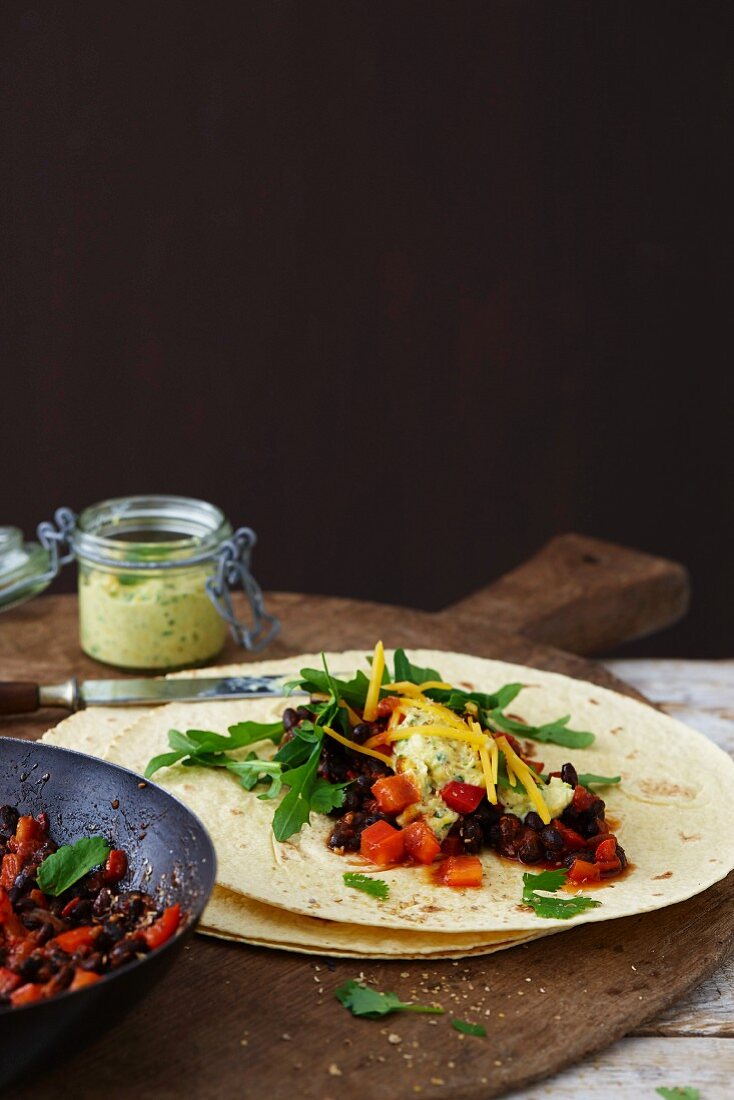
<point x="23" y="698"/>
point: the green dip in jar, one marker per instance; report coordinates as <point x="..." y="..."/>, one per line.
<point x="143" y="566"/>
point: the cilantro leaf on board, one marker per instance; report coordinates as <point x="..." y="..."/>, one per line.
<point x="71" y="862"/>
<point x="363" y="1001"/>
<point x="375" y="887"/>
<point x="469" y="1029"/>
<point x="679" y="1092"/>
<point x="589" y="780"/>
<point x="553" y="908"/>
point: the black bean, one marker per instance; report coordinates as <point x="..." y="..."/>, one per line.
<point x="123" y="952"/>
<point x="102" y="902"/>
<point x="530" y="848"/>
<point x="621" y="856"/>
<point x="472" y="834"/>
<point x="569" y="775"/>
<point x="82" y="912"/>
<point x="551" y="840"/>
<point x="534" y="820"/>
<point x="290" y="718"/>
<point x="361" y="732"/>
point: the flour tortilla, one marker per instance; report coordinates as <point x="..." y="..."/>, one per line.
<point x="673" y="805"/>
<point x="234" y="917"/>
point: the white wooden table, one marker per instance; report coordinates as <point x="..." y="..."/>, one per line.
<point x="692" y="1043"/>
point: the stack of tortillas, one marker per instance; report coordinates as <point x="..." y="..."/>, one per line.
<point x="673" y="807"/>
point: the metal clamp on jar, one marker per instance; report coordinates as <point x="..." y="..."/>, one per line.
<point x="156" y="577"/>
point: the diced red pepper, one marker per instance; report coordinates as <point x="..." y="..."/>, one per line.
<point x="453" y="845"/>
<point x="382" y="844"/>
<point x="386" y="706"/>
<point x="27" y="994"/>
<point x="8" y="980"/>
<point x="536" y="765"/>
<point x="39" y="898"/>
<point x="461" y="871"/>
<point x="582" y="799"/>
<point x="581" y="871"/>
<point x="116" y="866"/>
<point x="9" y="920"/>
<point x="611" y="867"/>
<point x="463" y="798"/>
<point x="28" y="828"/>
<point x="12" y="865"/>
<point x="573" y="840"/>
<point x="421" y="843"/>
<point x="395" y="792"/>
<point x="606" y="851"/>
<point x="83" y="978"/>
<point x="77" y="939"/>
<point x="70" y="907"/>
<point x="162" y="929"/>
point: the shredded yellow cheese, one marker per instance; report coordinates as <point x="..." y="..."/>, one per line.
<point x="485" y="762"/>
<point x="447" y="732"/>
<point x="526" y="777"/>
<point x="373" y="691"/>
<point x="404" y="687"/>
<point x="359" y="748"/>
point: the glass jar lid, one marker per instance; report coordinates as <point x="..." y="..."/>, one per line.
<point x="24" y="568"/>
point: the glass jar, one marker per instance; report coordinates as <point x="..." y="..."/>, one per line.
<point x="156" y="576"/>
<point x="143" y="567"/>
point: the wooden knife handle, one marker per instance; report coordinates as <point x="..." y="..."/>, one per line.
<point x="18" y="697"/>
<point x="584" y="595"/>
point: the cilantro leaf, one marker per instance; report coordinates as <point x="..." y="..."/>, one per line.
<point x="553" y="908"/>
<point x="375" y="887"/>
<point x="679" y="1092"/>
<point x="587" y="780"/>
<point x="71" y="862"/>
<point x="369" y="1003"/>
<point x="469" y="1029"/>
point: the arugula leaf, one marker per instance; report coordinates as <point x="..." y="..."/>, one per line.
<point x="405" y="670"/>
<point x="251" y="771"/>
<point x="369" y="1003"/>
<point x="469" y="1029"/>
<point x="553" y="908"/>
<point x="375" y="887"/>
<point x="307" y="792"/>
<point x="587" y="780"/>
<point x="457" y="700"/>
<point x="71" y="862"/>
<point x="203" y="745"/>
<point x="556" y="732"/>
<point x="317" y="682"/>
<point x="679" y="1092"/>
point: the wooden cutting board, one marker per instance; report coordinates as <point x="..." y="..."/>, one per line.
<point x="233" y="1021"/>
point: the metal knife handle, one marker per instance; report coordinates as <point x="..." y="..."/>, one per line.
<point x="23" y="697"/>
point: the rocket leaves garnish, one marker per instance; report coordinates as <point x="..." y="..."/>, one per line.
<point x="589" y="780"/>
<point x="200" y="744"/>
<point x="372" y="1005"/>
<point x="375" y="887"/>
<point x="553" y="908"/>
<point x="556" y="732"/>
<point x="71" y="862"/>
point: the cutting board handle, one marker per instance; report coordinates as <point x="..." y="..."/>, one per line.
<point x="583" y="595"/>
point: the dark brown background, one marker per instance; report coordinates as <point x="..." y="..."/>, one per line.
<point x="408" y="287"/>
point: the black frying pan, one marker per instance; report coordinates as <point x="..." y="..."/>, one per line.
<point x="169" y="855"/>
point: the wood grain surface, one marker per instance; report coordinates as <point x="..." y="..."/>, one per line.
<point x="231" y="1021"/>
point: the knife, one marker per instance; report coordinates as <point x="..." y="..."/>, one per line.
<point x="19" y="697"/>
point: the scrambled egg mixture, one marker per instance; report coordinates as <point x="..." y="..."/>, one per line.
<point x="433" y="762"/>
